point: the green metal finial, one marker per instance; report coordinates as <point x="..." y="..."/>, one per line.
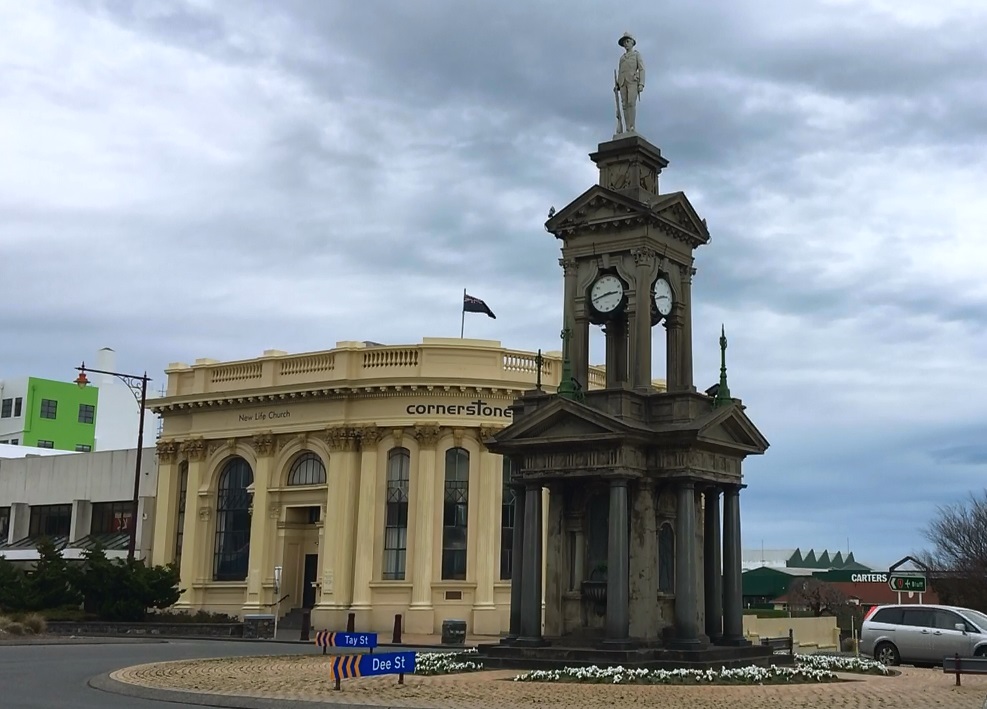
<point x="568" y="386"/>
<point x="723" y="391"/>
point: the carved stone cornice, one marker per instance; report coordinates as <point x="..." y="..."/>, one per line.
<point x="195" y="449"/>
<point x="167" y="451"/>
<point x="644" y="256"/>
<point x="398" y="435"/>
<point x="370" y="436"/>
<point x="341" y="438"/>
<point x="486" y="432"/>
<point x="263" y="443"/>
<point x="568" y="266"/>
<point x="427" y="435"/>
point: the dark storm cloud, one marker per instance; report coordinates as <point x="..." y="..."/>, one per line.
<point x="205" y="179"/>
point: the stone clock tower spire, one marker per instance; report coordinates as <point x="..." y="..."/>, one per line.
<point x="636" y="477"/>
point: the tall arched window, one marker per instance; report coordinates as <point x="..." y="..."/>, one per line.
<point x="307" y="469"/>
<point x="182" y="494"/>
<point x="396" y="514"/>
<point x="507" y="521"/>
<point x="454" y="514"/>
<point x="233" y="522"/>
<point x="666" y="558"/>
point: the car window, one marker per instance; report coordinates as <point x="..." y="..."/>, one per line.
<point x="916" y="617"/>
<point x="977" y="617"/>
<point x="888" y="615"/>
<point x="947" y="620"/>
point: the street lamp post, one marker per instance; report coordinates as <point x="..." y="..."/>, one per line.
<point x="138" y="387"/>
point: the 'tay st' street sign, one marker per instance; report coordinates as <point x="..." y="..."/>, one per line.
<point x="903" y="582"/>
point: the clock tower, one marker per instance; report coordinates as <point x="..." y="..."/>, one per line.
<point x="642" y="564"/>
<point x="627" y="256"/>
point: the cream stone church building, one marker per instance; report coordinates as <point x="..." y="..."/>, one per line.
<point x="360" y="471"/>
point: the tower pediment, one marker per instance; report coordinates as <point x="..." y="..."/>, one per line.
<point x="565" y="421"/>
<point x="600" y="210"/>
<point x="729" y="427"/>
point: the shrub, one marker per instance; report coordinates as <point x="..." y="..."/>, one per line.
<point x="15" y="628"/>
<point x="5" y="621"/>
<point x="36" y="623"/>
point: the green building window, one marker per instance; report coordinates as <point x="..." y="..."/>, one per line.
<point x="6" y="408"/>
<point x="111" y="517"/>
<point x="49" y="408"/>
<point x="50" y="521"/>
<point x="83" y="448"/>
<point x="87" y="413"/>
<point x="46" y="444"/>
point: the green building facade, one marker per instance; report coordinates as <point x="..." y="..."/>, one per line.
<point x="59" y="415"/>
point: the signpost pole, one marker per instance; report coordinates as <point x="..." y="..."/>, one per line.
<point x="277" y="598"/>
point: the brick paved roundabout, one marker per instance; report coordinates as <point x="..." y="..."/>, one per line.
<point x="307" y="678"/>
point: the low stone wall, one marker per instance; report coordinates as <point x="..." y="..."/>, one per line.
<point x="90" y="628"/>
<point x="810" y="633"/>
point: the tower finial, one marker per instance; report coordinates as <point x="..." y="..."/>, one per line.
<point x="723" y="391"/>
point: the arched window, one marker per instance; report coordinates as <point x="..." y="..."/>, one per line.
<point x="308" y="469"/>
<point x="396" y="514"/>
<point x="233" y="522"/>
<point x="507" y="521"/>
<point x="182" y="494"/>
<point x="455" y="508"/>
<point x="666" y="558"/>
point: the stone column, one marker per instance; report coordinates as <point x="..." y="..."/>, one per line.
<point x="556" y="562"/>
<point x="366" y="525"/>
<point x="618" y="616"/>
<point x="198" y="542"/>
<point x="733" y="608"/>
<point x="673" y="348"/>
<point x="685" y="351"/>
<point x="712" y="574"/>
<point x="643" y="585"/>
<point x="646" y="269"/>
<point x="421" y="615"/>
<point x="260" y="566"/>
<point x="531" y="578"/>
<point x="166" y="505"/>
<point x="340" y="546"/>
<point x="517" y="562"/>
<point x="486" y="617"/>
<point x="686" y="610"/>
<point x="82" y="520"/>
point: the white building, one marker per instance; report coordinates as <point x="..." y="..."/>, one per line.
<point x="75" y="500"/>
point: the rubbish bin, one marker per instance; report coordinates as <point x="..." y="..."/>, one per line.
<point x="453" y="632"/>
<point x="259" y="626"/>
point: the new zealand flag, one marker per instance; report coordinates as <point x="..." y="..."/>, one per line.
<point x="475" y="305"/>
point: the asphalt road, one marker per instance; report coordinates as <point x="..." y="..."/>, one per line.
<point x="56" y="676"/>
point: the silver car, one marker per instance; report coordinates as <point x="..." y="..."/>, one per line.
<point x="922" y="634"/>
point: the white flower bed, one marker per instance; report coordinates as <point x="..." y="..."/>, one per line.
<point x="837" y="663"/>
<point x="445" y="663"/>
<point x="738" y="675"/>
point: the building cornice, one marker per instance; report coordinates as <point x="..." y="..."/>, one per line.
<point x="170" y="405"/>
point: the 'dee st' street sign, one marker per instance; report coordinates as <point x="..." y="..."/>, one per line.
<point x="902" y="582"/>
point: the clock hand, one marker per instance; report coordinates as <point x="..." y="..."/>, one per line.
<point x="604" y="295"/>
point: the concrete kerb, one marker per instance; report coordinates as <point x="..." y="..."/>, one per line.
<point x="105" y="683"/>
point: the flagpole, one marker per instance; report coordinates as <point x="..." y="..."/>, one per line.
<point x="462" y="320"/>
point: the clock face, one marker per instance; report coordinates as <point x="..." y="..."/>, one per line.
<point x="663" y="297"/>
<point x="607" y="293"/>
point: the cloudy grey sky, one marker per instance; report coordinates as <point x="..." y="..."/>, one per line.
<point x="211" y="179"/>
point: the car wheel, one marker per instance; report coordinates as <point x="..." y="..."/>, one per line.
<point x="980" y="652"/>
<point x="887" y="654"/>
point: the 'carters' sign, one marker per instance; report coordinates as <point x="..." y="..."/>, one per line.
<point x="478" y="408"/>
<point x="869" y="578"/>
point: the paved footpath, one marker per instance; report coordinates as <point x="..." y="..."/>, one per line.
<point x="307" y="678"/>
